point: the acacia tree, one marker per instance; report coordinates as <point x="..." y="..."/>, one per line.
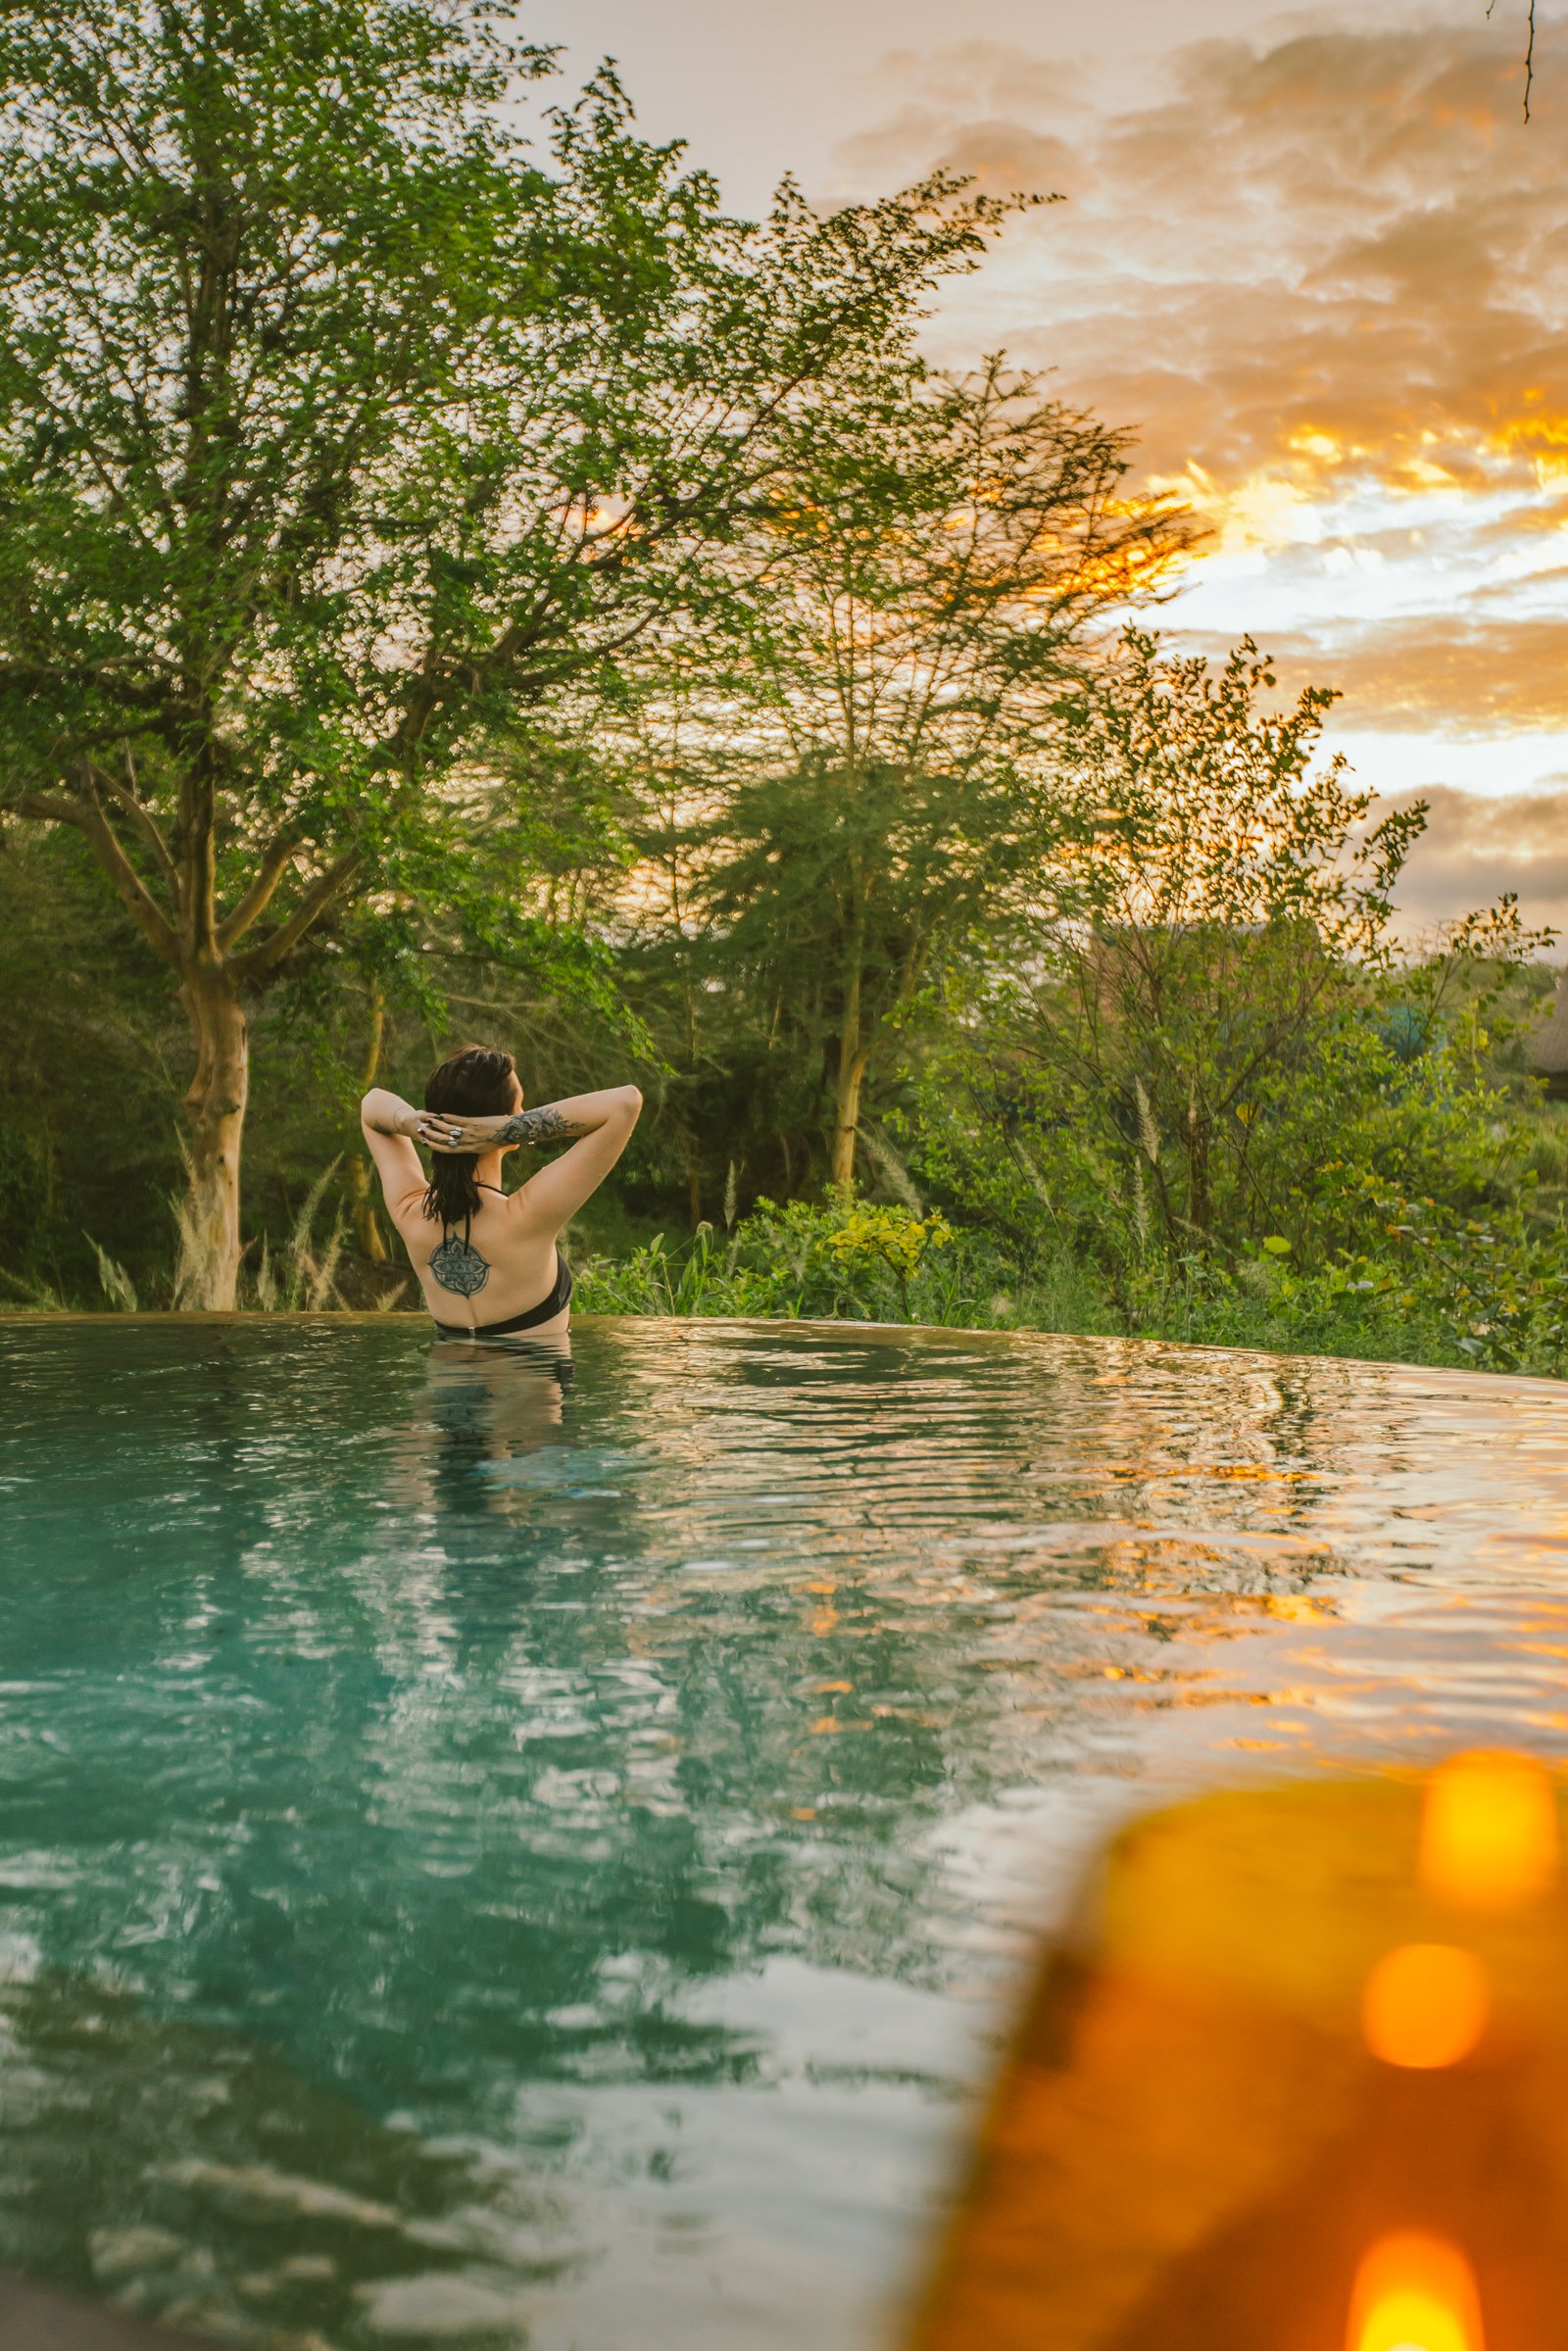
<point x="333" y="426"/>
<point x="939" y="548"/>
<point x="1176" y="1069"/>
<point x="1232" y="909"/>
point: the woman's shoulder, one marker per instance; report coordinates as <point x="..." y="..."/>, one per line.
<point x="411" y="1218"/>
<point x="521" y="1208"/>
<point x="512" y="1232"/>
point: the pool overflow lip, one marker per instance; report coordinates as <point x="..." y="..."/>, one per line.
<point x="34" y="2318"/>
<point x="1293" y="2080"/>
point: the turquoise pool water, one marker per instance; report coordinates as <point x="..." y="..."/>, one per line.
<point x="484" y="1865"/>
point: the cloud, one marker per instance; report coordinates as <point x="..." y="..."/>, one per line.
<point x="973" y="77"/>
<point x="1345" y="257"/>
<point x="1467" y="676"/>
<point x="1002" y="156"/>
<point x="1475" y="848"/>
<point x="1324" y="278"/>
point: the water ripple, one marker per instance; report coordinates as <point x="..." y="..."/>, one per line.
<point x="485" y="1859"/>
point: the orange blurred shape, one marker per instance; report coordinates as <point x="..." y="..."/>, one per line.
<point x="1488" y="1831"/>
<point x="1425" y="2004"/>
<point x="1414" y="2293"/>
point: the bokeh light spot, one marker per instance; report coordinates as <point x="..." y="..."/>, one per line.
<point x="1489" y="1832"/>
<point x="1414" y="2293"/>
<point x="1425" y="2004"/>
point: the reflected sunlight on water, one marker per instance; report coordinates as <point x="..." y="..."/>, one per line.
<point x="485" y="1861"/>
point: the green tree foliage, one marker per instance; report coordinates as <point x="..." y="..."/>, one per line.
<point x="334" y="426"/>
<point x="1227" y="913"/>
<point x="449" y="588"/>
<point x="1221" y="1065"/>
<point x="880" y="802"/>
<point x="89" y="1022"/>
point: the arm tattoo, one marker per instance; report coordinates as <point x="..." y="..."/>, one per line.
<point x="538" y="1126"/>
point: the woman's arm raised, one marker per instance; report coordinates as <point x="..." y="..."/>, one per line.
<point x="389" y="1125"/>
<point x="603" y="1124"/>
<point x="580" y="1114"/>
<point x="383" y="1113"/>
<point x="596" y="1125"/>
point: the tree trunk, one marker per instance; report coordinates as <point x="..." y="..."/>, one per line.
<point x="361" y="1200"/>
<point x="852" y="1054"/>
<point x="1198" y="1203"/>
<point x="847" y="1115"/>
<point x="367" y="1233"/>
<point x="207" y="1275"/>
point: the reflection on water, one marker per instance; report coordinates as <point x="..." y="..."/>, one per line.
<point x="490" y="1409"/>
<point x="184" y="2171"/>
<point x="495" y="1850"/>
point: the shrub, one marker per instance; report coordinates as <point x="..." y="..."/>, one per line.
<point x="839" y="1259"/>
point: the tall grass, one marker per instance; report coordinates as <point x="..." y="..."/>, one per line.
<point x="118" y="1286"/>
<point x="303" y="1277"/>
<point x="31" y="1294"/>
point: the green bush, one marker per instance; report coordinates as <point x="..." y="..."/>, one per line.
<point x="1438" y="1287"/>
<point x="841" y="1259"/>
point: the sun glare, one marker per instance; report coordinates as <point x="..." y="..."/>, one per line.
<point x="1489" y="1832"/>
<point x="1414" y="2294"/>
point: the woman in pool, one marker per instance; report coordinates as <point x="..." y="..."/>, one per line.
<point x="488" y="1261"/>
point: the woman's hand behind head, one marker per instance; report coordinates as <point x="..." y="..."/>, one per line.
<point x="425" y="1126"/>
<point x="458" y="1136"/>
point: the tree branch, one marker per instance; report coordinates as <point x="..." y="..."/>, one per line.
<point x="265" y="957"/>
<point x="48" y="809"/>
<point x="200" y="845"/>
<point x="84" y="675"/>
<point x="142" y="819"/>
<point x="1529" y="52"/>
<point x="133" y="891"/>
<point x="276" y="858"/>
<point x="88" y="818"/>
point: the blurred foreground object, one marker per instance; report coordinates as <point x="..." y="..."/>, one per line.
<point x="1296" y="2080"/>
<point x="34" y="2318"/>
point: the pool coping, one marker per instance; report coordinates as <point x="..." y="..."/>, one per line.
<point x="327" y="1317"/>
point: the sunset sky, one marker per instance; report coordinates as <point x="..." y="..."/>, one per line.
<point x="1317" y="258"/>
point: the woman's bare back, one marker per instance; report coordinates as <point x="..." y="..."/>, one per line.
<point x="502" y="1263"/>
<point x="502" y="1260"/>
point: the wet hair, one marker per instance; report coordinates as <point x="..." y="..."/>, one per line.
<point x="471" y="1083"/>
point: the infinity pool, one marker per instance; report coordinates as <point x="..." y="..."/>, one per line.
<point x="485" y="1862"/>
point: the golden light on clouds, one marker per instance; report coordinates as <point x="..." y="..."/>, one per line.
<point x="1324" y="275"/>
<point x="1260" y="512"/>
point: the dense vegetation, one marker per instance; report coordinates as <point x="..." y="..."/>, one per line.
<point x="452" y="591"/>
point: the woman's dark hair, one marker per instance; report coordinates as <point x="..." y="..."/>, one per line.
<point x="472" y="1083"/>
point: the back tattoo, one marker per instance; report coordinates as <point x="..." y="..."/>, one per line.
<point x="457" y="1265"/>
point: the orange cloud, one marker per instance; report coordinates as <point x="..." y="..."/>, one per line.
<point x="1324" y="277"/>
<point x="1459" y="675"/>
